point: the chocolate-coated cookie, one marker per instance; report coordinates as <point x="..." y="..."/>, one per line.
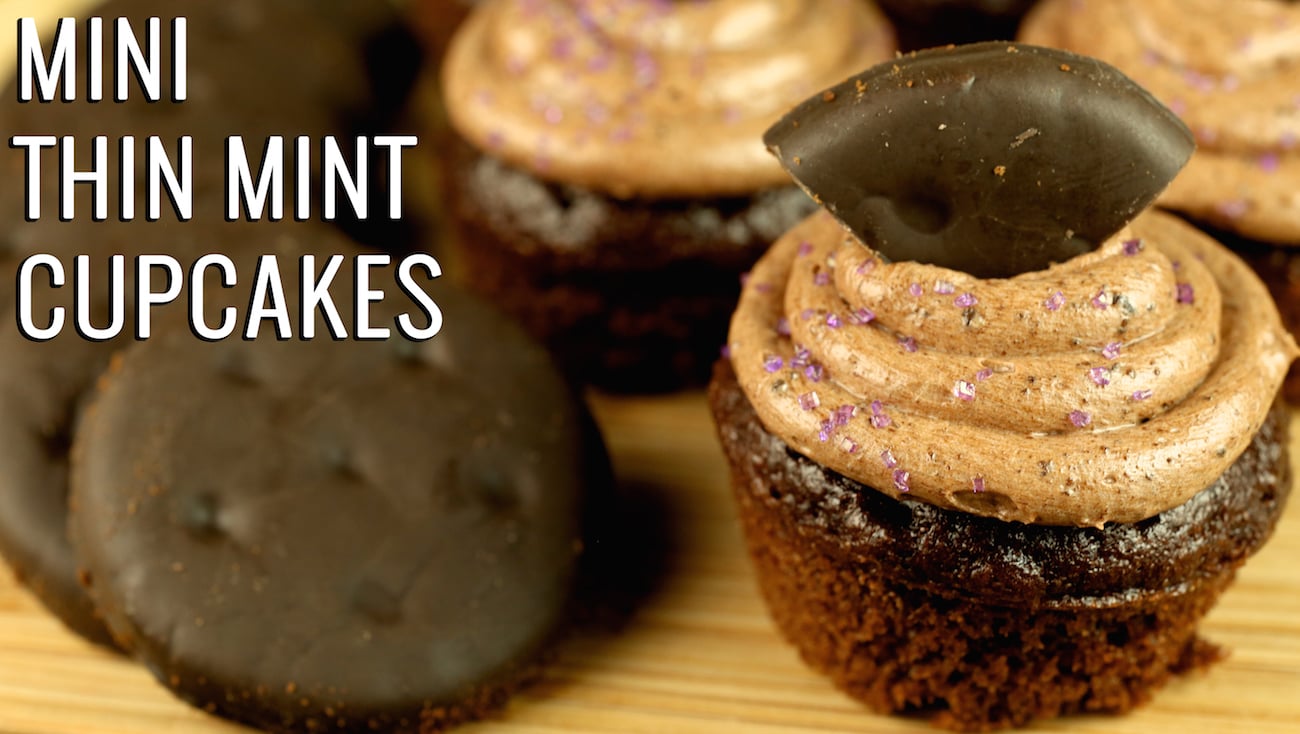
<point x="1029" y="156"/>
<point x="45" y="385"/>
<point x="336" y="536"/>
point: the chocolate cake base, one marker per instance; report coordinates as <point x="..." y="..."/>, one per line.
<point x="630" y="295"/>
<point x="975" y="623"/>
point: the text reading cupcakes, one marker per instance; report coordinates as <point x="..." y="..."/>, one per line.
<point x="1232" y="72"/>
<point x="608" y="186"/>
<point x="999" y="446"/>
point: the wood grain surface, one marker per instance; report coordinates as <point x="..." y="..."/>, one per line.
<point x="699" y="654"/>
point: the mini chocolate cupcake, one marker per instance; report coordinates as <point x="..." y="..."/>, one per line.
<point x="607" y="184"/>
<point x="999" y="447"/>
<point x="1232" y="72"/>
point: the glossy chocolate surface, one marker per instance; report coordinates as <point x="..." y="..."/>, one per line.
<point x="994" y="158"/>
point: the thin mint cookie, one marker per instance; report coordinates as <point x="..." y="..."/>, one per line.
<point x="44" y="385"/>
<point x="336" y="536"/>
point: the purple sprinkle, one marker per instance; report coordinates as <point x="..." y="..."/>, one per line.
<point x="1132" y="247"/>
<point x="824" y="432"/>
<point x="843" y="415"/>
<point x="1178" y="106"/>
<point x="977" y="484"/>
<point x="810" y="400"/>
<point x="1054" y="301"/>
<point x="1111" y="351"/>
<point x="1080" y="418"/>
<point x="814" y="372"/>
<point x="862" y="316"/>
<point x="1100" y="376"/>
<point x="562" y="48"/>
<point x="773" y="363"/>
<point x="496" y="139"/>
<point x="915" y="289"/>
<point x="600" y="61"/>
<point x="597" y="113"/>
<point x="1233" y="208"/>
<point x="965" y="300"/>
<point x="881" y="420"/>
<point x="944" y="288"/>
<point x="1270" y="162"/>
<point x="887" y="456"/>
<point x="821" y="277"/>
<point x="963" y="390"/>
<point x="1101" y="301"/>
<point x="848" y="445"/>
<point x="805" y="248"/>
<point x="1199" y="82"/>
<point x="983" y="374"/>
<point x="901" y="480"/>
<point x="867" y="266"/>
<point x="744" y="278"/>
<point x="1141" y="395"/>
<point x="832" y="321"/>
<point x="908" y="344"/>
<point x="763" y="287"/>
<point x="802" y="358"/>
<point x="806" y="314"/>
<point x="877" y="407"/>
<point x="783" y="326"/>
<point x="1186" y="295"/>
<point x="645" y="69"/>
<point x="725" y="351"/>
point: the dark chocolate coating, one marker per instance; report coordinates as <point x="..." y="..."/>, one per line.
<point x="44" y="385"/>
<point x="994" y="158"/>
<point x="41" y="390"/>
<point x="322" y="536"/>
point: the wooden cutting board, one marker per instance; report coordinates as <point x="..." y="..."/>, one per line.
<point x="699" y="653"/>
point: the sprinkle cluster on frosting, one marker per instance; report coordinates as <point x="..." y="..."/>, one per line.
<point x="651" y="98"/>
<point x="1231" y="70"/>
<point x="1108" y="388"/>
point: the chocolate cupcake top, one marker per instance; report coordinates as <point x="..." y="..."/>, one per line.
<point x="1231" y="71"/>
<point x="649" y="98"/>
<point x="1109" y="387"/>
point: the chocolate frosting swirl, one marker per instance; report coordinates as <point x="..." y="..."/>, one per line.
<point x="1231" y="71"/>
<point x="1108" y="388"/>
<point x="650" y="98"/>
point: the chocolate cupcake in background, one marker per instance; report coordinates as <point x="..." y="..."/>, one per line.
<point x="928" y="23"/>
<point x="606" y="182"/>
<point x="999" y="447"/>
<point x="1232" y="72"/>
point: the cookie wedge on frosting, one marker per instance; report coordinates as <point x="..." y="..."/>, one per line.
<point x="992" y="465"/>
